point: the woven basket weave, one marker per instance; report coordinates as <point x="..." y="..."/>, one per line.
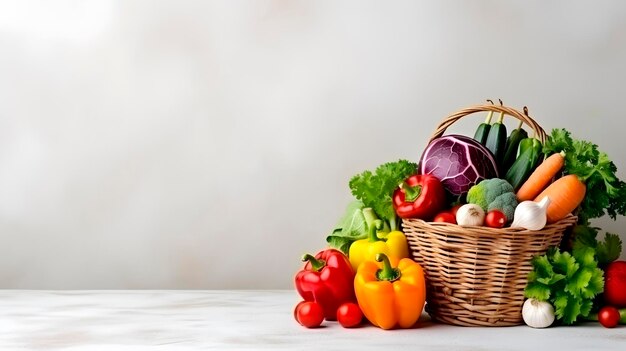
<point x="476" y="275"/>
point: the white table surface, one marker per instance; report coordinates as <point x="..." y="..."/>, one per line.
<point x="190" y="320"/>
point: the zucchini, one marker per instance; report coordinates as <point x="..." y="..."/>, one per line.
<point x="528" y="159"/>
<point x="512" y="145"/>
<point x="496" y="140"/>
<point x="483" y="129"/>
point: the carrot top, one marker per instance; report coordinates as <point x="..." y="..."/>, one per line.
<point x="606" y="194"/>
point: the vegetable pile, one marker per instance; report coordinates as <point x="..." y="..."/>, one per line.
<point x="494" y="180"/>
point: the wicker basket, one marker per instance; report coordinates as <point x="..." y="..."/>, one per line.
<point x="476" y="275"/>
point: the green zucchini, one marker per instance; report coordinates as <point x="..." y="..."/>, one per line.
<point x="483" y="129"/>
<point x="496" y="140"/>
<point x="526" y="162"/>
<point x="512" y="145"/>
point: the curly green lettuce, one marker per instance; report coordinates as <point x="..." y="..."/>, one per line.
<point x="375" y="189"/>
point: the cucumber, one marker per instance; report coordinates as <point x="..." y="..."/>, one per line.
<point x="496" y="140"/>
<point x="483" y="129"/>
<point x="512" y="145"/>
<point x="526" y="162"/>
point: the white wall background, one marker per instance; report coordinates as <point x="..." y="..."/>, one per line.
<point x="208" y="144"/>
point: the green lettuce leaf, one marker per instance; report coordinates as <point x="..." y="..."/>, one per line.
<point x="351" y="226"/>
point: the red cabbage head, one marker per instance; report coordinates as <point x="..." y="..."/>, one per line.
<point x="459" y="162"/>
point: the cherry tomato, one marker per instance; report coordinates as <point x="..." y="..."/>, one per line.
<point x="309" y="314"/>
<point x="446" y="217"/>
<point x="454" y="210"/>
<point x="608" y="316"/>
<point x="495" y="219"/>
<point x="295" y="311"/>
<point x="349" y="315"/>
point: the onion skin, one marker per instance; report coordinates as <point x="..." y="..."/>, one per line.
<point x="538" y="314"/>
<point x="470" y="215"/>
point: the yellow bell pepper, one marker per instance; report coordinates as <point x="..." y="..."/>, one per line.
<point x="393" y="244"/>
<point x="388" y="296"/>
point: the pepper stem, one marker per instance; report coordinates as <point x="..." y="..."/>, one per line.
<point x="387" y="273"/>
<point x="316" y="264"/>
<point x="377" y="225"/>
<point x="411" y="193"/>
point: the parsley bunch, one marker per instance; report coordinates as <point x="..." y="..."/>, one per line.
<point x="569" y="281"/>
<point x="606" y="194"/>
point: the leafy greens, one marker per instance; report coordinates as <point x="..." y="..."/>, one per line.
<point x="352" y="226"/>
<point x="607" y="250"/>
<point x="376" y="188"/>
<point x="569" y="281"/>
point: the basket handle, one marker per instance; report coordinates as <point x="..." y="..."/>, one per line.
<point x="524" y="117"/>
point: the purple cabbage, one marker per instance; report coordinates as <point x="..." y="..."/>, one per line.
<point x="458" y="162"/>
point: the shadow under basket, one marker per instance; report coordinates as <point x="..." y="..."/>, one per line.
<point x="475" y="276"/>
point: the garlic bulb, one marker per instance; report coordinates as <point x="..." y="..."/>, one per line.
<point x="531" y="215"/>
<point x="470" y="214"/>
<point x="537" y="314"/>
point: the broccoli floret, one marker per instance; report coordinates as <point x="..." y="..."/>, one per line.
<point x="494" y="194"/>
<point x="506" y="204"/>
<point x="483" y="193"/>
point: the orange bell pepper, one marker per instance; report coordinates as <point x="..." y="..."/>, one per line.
<point x="390" y="297"/>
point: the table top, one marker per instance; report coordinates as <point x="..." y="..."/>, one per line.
<point x="190" y="320"/>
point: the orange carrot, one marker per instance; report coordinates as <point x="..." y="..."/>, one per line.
<point x="541" y="177"/>
<point x="565" y="195"/>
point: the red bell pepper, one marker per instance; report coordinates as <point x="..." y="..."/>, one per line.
<point x="328" y="279"/>
<point x="419" y="196"/>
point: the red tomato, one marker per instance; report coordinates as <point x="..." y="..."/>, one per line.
<point x="349" y="315"/>
<point x="295" y="311"/>
<point x="608" y="316"/>
<point x="446" y="217"/>
<point x="309" y="314"/>
<point x="495" y="219"/>
<point x="615" y="284"/>
<point x="454" y="210"/>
